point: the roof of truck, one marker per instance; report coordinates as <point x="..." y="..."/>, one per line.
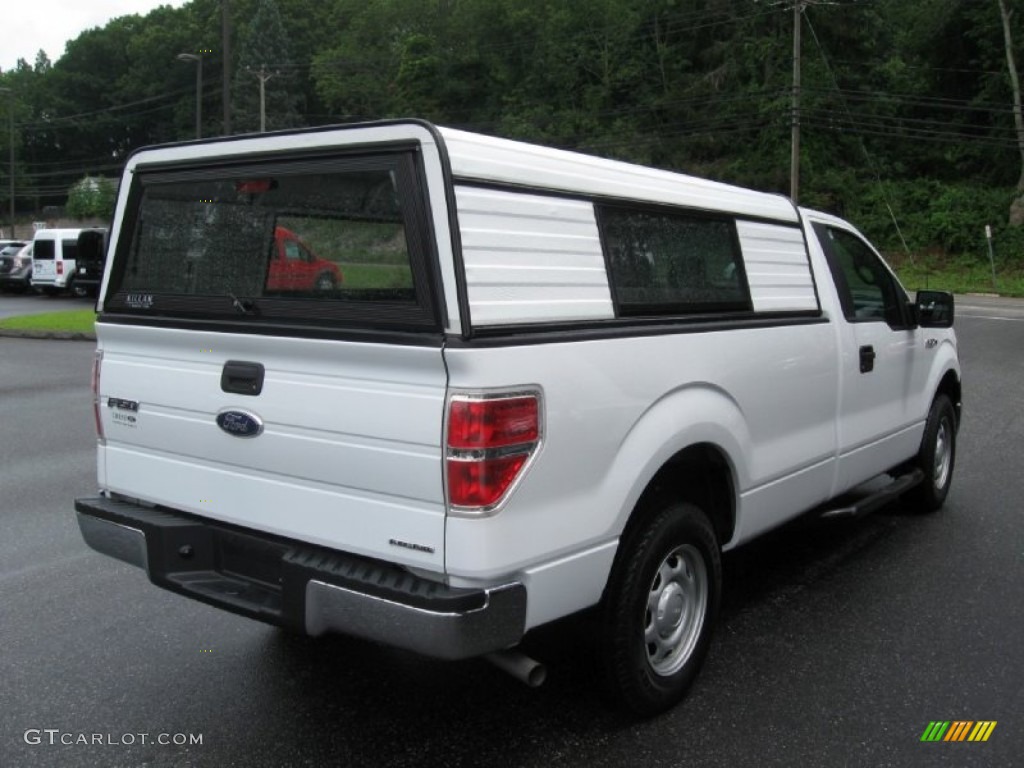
<point x="476" y="157"/>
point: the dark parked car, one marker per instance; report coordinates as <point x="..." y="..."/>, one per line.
<point x="16" y="266"/>
<point x="92" y="252"/>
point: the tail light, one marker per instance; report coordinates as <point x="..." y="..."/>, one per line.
<point x="60" y="267"/>
<point x="491" y="439"/>
<point x="97" y="364"/>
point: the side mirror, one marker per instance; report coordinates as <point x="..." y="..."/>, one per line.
<point x="934" y="309"/>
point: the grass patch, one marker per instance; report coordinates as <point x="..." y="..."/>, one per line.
<point x="75" y="321"/>
<point x="960" y="274"/>
<point x="364" y="276"/>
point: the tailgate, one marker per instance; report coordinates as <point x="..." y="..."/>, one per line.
<point x="309" y="408"/>
<point x="348" y="457"/>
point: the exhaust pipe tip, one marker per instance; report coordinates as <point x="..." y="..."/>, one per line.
<point x="524" y="669"/>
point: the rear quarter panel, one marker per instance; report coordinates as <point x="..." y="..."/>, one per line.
<point x="616" y="409"/>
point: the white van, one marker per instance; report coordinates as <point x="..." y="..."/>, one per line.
<point x="54" y="253"/>
<point x="548" y="382"/>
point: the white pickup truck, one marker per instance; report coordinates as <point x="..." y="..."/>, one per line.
<point x="542" y="382"/>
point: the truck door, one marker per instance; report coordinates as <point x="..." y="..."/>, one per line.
<point x="882" y="374"/>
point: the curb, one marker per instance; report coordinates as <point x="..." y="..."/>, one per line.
<point x="17" y="333"/>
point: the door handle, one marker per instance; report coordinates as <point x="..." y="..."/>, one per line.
<point x="867" y="359"/>
<point x="242" y="378"/>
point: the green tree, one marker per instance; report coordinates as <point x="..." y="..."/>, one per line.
<point x="92" y="197"/>
<point x="265" y="63"/>
<point x="904" y="105"/>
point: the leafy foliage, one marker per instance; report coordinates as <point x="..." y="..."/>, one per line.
<point x="265" y="64"/>
<point x="92" y="197"/>
<point x="905" y="107"/>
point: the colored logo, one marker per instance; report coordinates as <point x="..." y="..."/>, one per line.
<point x="958" y="730"/>
<point x="240" y="423"/>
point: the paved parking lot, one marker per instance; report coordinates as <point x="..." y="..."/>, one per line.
<point x="839" y="641"/>
<point x="14" y="304"/>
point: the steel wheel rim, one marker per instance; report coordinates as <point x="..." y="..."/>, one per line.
<point x="677" y="602"/>
<point x="943" y="455"/>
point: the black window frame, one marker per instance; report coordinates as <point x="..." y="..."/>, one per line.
<point x="275" y="314"/>
<point x="636" y="311"/>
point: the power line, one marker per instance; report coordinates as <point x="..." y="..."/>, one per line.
<point x="863" y="147"/>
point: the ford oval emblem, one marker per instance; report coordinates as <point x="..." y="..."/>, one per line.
<point x="240" y="423"/>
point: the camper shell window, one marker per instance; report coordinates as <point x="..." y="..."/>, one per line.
<point x="222" y="241"/>
<point x="670" y="262"/>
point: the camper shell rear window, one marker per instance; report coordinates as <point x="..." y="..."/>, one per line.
<point x="323" y="241"/>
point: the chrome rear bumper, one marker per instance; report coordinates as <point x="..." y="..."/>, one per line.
<point x="303" y="587"/>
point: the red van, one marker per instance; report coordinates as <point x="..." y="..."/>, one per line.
<point x="294" y="267"/>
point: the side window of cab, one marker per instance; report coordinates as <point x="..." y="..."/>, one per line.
<point x="867" y="290"/>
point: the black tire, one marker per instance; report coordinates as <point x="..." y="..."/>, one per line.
<point x="936" y="457"/>
<point x="672" y="561"/>
<point x="326" y="282"/>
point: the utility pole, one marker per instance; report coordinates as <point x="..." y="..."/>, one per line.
<point x="10" y="125"/>
<point x="794" y="156"/>
<point x="197" y="59"/>
<point x="263" y="74"/>
<point x="225" y="46"/>
<point x="799" y="6"/>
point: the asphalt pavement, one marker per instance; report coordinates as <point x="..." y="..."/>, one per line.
<point x="839" y="641"/>
<point x="14" y="304"/>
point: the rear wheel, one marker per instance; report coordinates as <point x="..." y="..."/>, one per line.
<point x="660" y="607"/>
<point x="936" y="458"/>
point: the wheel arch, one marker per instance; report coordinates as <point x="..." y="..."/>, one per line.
<point x="949" y="385"/>
<point x="692" y="445"/>
<point x="702" y="474"/>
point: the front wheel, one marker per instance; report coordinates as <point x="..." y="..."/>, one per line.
<point x="936" y="457"/>
<point x="326" y="282"/>
<point x="660" y="607"/>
